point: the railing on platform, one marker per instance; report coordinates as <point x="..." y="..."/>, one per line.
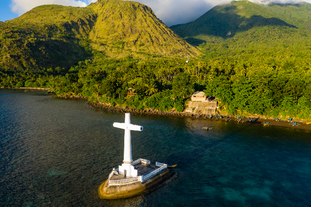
<point x="143" y="178"/>
<point x="123" y="181"/>
<point x="142" y="161"/>
<point x="150" y="175"/>
<point x="110" y="175"/>
<point x="113" y="172"/>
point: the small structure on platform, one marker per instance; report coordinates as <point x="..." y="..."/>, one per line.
<point x="201" y="104"/>
<point x="132" y="177"/>
<point x="198" y="96"/>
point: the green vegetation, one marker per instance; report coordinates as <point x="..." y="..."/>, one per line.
<point x="272" y="89"/>
<point x="61" y="36"/>
<point x="222" y="23"/>
<point x="127" y="81"/>
<point x="45" y="37"/>
<point x="130" y="28"/>
<point x="261" y="55"/>
<point x="261" y="67"/>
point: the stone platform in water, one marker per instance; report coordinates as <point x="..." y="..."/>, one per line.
<point x="141" y="169"/>
<point x="132" y="177"/>
<point x="117" y="186"/>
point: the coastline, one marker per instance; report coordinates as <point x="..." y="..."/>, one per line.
<point x="282" y="123"/>
<point x="118" y="109"/>
<point x="152" y="112"/>
<point x="260" y="119"/>
<point x="28" y="89"/>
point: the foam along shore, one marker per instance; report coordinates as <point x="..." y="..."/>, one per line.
<point x="150" y="176"/>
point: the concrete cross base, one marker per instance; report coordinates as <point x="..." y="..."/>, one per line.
<point x="125" y="191"/>
<point x="127" y="170"/>
<point x="132" y="178"/>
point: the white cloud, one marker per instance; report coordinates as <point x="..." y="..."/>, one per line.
<point x="91" y="1"/>
<point x="171" y="12"/>
<point x="22" y="6"/>
<point x="180" y="11"/>
<point x="276" y="1"/>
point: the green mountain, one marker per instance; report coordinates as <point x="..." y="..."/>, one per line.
<point x="61" y="36"/>
<point x="47" y="36"/>
<point x="255" y="59"/>
<point x="248" y="23"/>
<point x="126" y="27"/>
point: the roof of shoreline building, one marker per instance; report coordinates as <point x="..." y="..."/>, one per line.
<point x="199" y="94"/>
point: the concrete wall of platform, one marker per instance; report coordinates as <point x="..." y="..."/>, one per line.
<point x="206" y="107"/>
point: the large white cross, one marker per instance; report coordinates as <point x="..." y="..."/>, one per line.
<point x="127" y="126"/>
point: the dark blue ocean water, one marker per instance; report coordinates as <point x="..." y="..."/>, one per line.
<point x="57" y="152"/>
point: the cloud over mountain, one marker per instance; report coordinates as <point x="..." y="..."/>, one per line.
<point x="277" y="1"/>
<point x="171" y="12"/>
<point x="22" y="6"/>
<point x="180" y="11"/>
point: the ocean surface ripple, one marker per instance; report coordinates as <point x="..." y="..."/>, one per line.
<point x="56" y="152"/>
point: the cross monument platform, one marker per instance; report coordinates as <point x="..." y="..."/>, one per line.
<point x="132" y="177"/>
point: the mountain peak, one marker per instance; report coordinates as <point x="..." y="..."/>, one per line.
<point x="61" y="36"/>
<point x="124" y="27"/>
<point x="241" y="16"/>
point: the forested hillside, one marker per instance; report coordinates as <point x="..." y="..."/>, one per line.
<point x="46" y="37"/>
<point x="255" y="59"/>
<point x="53" y="36"/>
<point x="261" y="53"/>
<point x="130" y="28"/>
<point x="223" y="22"/>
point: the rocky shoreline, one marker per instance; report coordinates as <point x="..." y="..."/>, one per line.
<point x="152" y="112"/>
<point x="118" y="109"/>
<point x="149" y="112"/>
<point x="29" y="89"/>
<point x="252" y="119"/>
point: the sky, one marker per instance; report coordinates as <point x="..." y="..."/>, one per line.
<point x="171" y="12"/>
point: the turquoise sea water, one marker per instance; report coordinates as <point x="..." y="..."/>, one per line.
<point x="57" y="152"/>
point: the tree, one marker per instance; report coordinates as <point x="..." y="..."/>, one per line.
<point x="182" y="86"/>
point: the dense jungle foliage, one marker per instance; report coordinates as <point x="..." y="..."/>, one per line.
<point x="263" y="70"/>
<point x="264" y="86"/>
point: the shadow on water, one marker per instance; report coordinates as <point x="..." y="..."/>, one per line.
<point x="237" y="131"/>
<point x="57" y="153"/>
<point x="205" y="146"/>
